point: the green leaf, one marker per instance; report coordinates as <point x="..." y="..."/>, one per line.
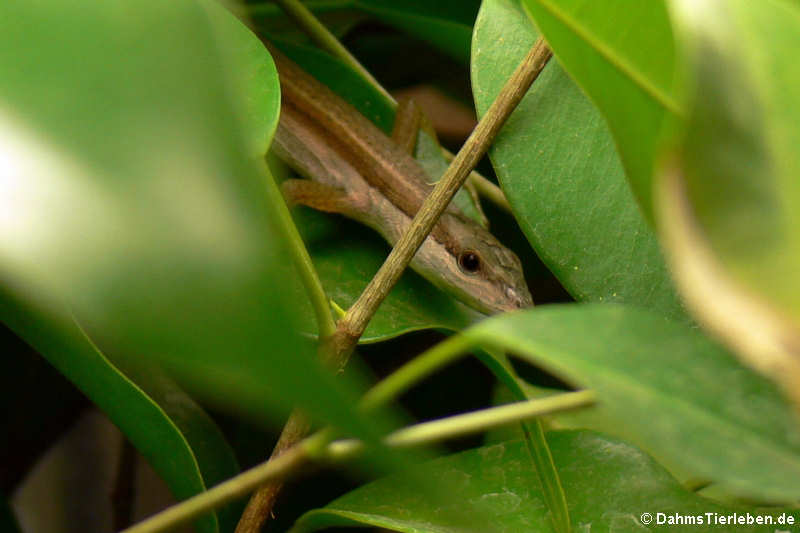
<point x="559" y="168"/>
<point x="539" y="453"/>
<point x="131" y="199"/>
<point x="595" y="418"/>
<point x="685" y="398"/>
<point x="178" y="439"/>
<point x="251" y="75"/>
<point x="739" y="160"/>
<point x="446" y="24"/>
<point x="610" y="483"/>
<point x="621" y="53"/>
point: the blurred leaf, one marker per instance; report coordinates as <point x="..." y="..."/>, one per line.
<point x="129" y="195"/>
<point x="610" y="484"/>
<point x="684" y="397"/>
<point x="169" y="429"/>
<point x="621" y="53"/>
<point x="559" y="169"/>
<point x="446" y="24"/>
<point x="730" y="208"/>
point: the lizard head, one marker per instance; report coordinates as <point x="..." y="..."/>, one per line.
<point x="479" y="270"/>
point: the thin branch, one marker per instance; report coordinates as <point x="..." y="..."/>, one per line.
<point x="337" y="347"/>
<point x="474" y="422"/>
<point x="265" y="496"/>
<point x="263" y="500"/>
<point x="323" y="38"/>
<point x="188" y="510"/>
<point x="416" y="370"/>
<point x="351" y="327"/>
<point x="302" y="261"/>
<point x="490" y="191"/>
<point x="318" y="447"/>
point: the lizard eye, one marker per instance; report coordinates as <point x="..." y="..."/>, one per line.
<point x="469" y="261"/>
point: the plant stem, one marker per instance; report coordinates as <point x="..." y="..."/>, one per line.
<point x="226" y="491"/>
<point x="301" y="259"/>
<point x="416" y="370"/>
<point x="475" y="422"/>
<point x="264" y="497"/>
<point x="488" y="190"/>
<point x="297" y="425"/>
<point x="337" y="347"/>
<point x="323" y="38"/>
<point x="319" y="447"/>
<point x="535" y="442"/>
<point x="351" y="327"/>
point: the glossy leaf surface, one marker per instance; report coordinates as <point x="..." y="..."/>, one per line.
<point x="685" y="398"/>
<point x="610" y="485"/>
<point x="621" y="53"/>
<point x="559" y="168"/>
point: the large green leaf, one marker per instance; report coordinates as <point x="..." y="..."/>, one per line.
<point x="559" y="168"/>
<point x="621" y="53"/>
<point x="130" y="198"/>
<point x="682" y="395"/>
<point x="610" y="483"/>
<point x="738" y="203"/>
<point x="170" y="430"/>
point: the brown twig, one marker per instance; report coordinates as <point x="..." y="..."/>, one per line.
<point x="352" y="325"/>
<point x="263" y="500"/>
<point x="337" y="348"/>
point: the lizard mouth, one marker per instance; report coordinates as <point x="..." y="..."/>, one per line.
<point x="518" y="298"/>
<point x="514" y="300"/>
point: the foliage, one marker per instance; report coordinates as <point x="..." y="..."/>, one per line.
<point x="146" y="252"/>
